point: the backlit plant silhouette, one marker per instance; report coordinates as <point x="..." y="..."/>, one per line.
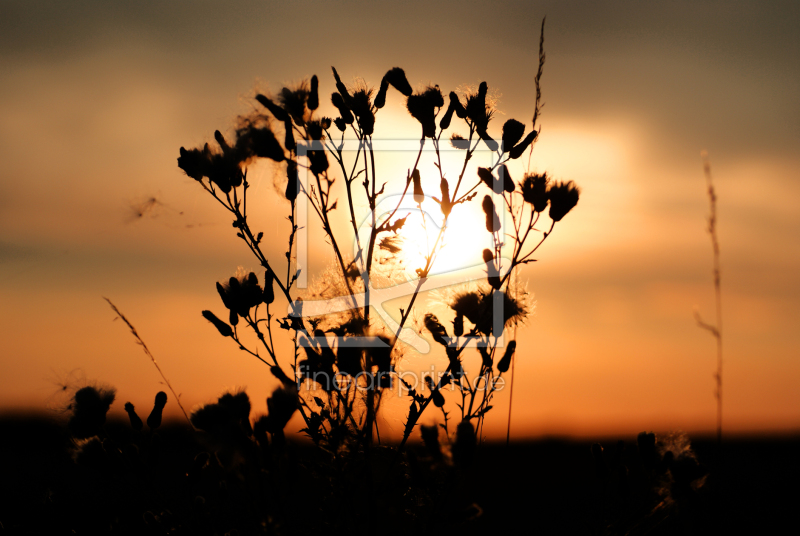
<point x="342" y="364"/>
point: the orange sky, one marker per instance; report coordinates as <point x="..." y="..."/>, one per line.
<point x="96" y="100"/>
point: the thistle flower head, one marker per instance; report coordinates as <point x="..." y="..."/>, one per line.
<point x="254" y="138"/>
<point x="477" y="305"/>
<point x="294" y="101"/>
<point x="516" y="151"/>
<point x="422" y="106"/>
<point x="534" y="190"/>
<point x="281" y="405"/>
<point x="241" y="293"/>
<point x="563" y="198"/>
<point x="512" y="133"/>
<point x="396" y="77"/>
<point x="437" y="330"/>
<point x="361" y="105"/>
<point x="89" y="407"/>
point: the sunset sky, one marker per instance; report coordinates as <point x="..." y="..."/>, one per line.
<point x="97" y="98"/>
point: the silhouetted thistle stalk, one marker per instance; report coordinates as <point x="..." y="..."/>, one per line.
<point x="715" y="329"/>
<point x="325" y="371"/>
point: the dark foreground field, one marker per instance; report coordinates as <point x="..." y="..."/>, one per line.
<point x="140" y="484"/>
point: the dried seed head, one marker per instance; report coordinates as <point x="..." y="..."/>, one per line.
<point x="194" y="163"/>
<point x="458" y="142"/>
<point x="422" y="107"/>
<point x="294" y="102"/>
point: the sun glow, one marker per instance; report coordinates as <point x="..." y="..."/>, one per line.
<point x="460" y="245"/>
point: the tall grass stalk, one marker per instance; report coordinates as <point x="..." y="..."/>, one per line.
<point x="716" y="328"/>
<point x="141" y="343"/>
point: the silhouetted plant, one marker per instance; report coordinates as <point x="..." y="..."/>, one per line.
<point x="716" y="328"/>
<point x="339" y="384"/>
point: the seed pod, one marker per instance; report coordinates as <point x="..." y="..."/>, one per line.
<point x="447" y="205"/>
<point x="465" y="443"/>
<point x="340" y="87"/>
<point x="492" y="275"/>
<point x="505" y="362"/>
<point x="340" y="124"/>
<point x="136" y="422"/>
<point x="518" y="149"/>
<point x="344" y="110"/>
<point x="154" y="419"/>
<point x="512" y="133"/>
<point x="194" y="163"/>
<point x="397" y="78"/>
<point x="221" y="141"/>
<point x="380" y="98"/>
<point x="289" y="137"/>
<point x="419" y="195"/>
<point x="487" y="139"/>
<point x="313" y="95"/>
<point x="458" y="325"/>
<point x="563" y="198"/>
<point x="223" y="328"/>
<point x="505" y="176"/>
<point x="455" y="102"/>
<point x="277" y="112"/>
<point x="433" y="325"/>
<point x="269" y="292"/>
<point x="444" y="124"/>
<point x="492" y="220"/>
<point x="430" y="437"/>
<point x="291" y="185"/>
<point x="486" y="177"/>
<point x="438" y="399"/>
<point x="318" y="162"/>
